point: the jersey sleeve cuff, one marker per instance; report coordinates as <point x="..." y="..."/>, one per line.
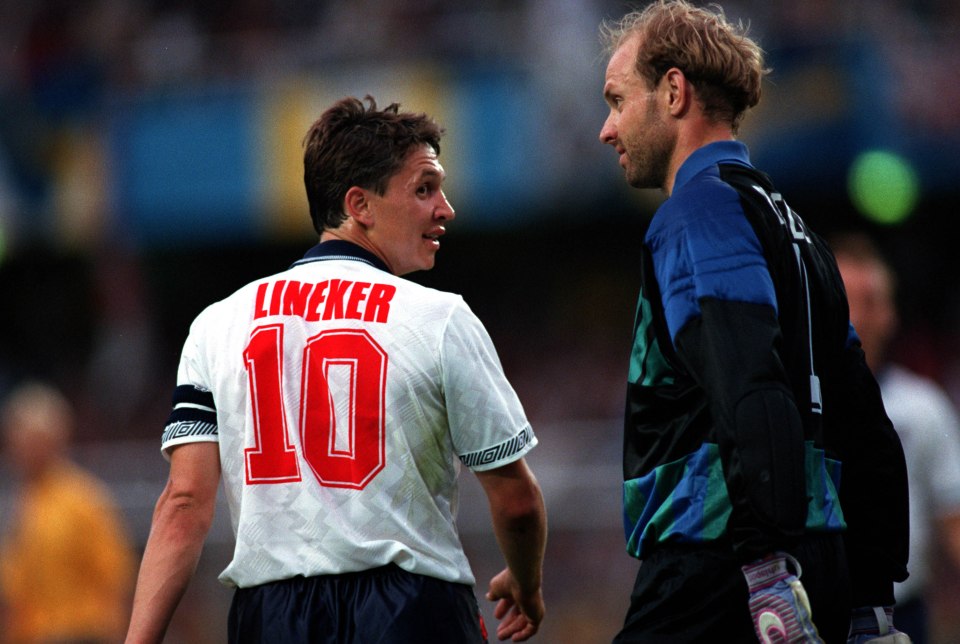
<point x="508" y="451"/>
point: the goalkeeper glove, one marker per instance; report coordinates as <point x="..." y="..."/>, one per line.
<point x="778" y="602"/>
<point x="874" y="625"/>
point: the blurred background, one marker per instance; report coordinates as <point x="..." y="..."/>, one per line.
<point x="150" y="163"/>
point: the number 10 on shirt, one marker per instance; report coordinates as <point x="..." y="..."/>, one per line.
<point x="341" y="411"/>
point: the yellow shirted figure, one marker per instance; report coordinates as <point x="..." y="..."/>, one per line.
<point x="66" y="563"/>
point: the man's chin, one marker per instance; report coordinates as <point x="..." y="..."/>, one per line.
<point x="643" y="182"/>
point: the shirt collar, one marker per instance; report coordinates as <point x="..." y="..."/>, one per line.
<point x="710" y="155"/>
<point x="340" y="249"/>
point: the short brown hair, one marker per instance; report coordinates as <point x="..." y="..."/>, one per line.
<point x="725" y="66"/>
<point x="356" y="145"/>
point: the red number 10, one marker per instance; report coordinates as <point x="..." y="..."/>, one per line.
<point x="341" y="408"/>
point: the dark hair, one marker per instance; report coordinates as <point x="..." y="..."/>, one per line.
<point x="353" y="145"/>
<point x="859" y="248"/>
<point x="720" y="61"/>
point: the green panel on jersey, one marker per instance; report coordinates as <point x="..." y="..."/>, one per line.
<point x="648" y="367"/>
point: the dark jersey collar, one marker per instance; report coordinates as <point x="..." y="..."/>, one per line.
<point x="339" y="249"/>
<point x="709" y="155"/>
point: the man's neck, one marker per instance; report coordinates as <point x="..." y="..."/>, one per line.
<point x="348" y="232"/>
<point x="691" y="139"/>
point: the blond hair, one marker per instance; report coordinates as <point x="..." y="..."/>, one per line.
<point x="37" y="407"/>
<point x="725" y="66"/>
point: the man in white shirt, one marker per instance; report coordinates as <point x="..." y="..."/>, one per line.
<point x="338" y="402"/>
<point x="924" y="418"/>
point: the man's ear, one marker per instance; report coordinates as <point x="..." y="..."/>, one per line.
<point x="680" y="92"/>
<point x="356" y="205"/>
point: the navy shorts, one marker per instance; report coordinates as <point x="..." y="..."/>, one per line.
<point x="687" y="594"/>
<point x="385" y="605"/>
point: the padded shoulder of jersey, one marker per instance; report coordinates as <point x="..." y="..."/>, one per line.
<point x="703" y="246"/>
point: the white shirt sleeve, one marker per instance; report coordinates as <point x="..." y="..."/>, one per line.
<point x="193" y="417"/>
<point x="487" y="422"/>
<point x="943" y="451"/>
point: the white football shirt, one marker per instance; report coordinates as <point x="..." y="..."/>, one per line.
<point x="344" y="400"/>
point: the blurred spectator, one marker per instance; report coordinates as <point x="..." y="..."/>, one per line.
<point x="923" y="416"/>
<point x="66" y="566"/>
<point x="123" y="342"/>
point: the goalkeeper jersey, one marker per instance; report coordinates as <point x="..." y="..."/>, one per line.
<point x="344" y="400"/>
<point x="747" y="391"/>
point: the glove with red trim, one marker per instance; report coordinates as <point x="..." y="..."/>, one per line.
<point x="778" y="602"/>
